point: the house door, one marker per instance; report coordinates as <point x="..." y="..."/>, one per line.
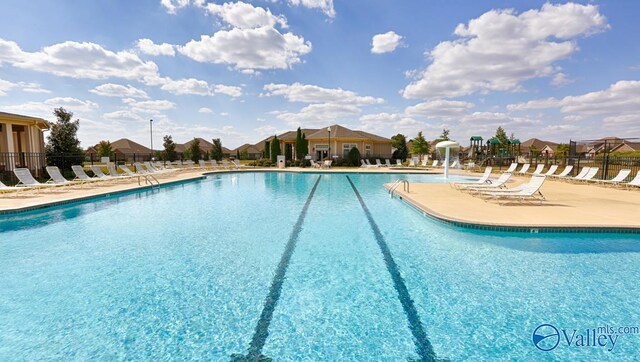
<point x="321" y="155"/>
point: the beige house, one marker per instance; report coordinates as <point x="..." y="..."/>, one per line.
<point x="21" y="142"/>
<point x="335" y="140"/>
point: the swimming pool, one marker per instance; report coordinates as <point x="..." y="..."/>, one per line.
<point x="300" y="267"/>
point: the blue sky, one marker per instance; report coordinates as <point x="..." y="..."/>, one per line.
<point x="241" y="71"/>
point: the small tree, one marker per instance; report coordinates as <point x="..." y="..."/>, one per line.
<point x="563" y="150"/>
<point x="399" y="142"/>
<point x="275" y="149"/>
<point x="305" y="145"/>
<point x="444" y="136"/>
<point x="267" y="150"/>
<point x="353" y="157"/>
<point x="288" y="152"/>
<point x="216" y="150"/>
<point x="193" y="152"/>
<point x="299" y="146"/>
<point x="244" y="154"/>
<point x="169" y="153"/>
<point x="63" y="147"/>
<point x="104" y="149"/>
<point x="420" y="145"/>
<point x="238" y="154"/>
<point x="501" y="135"/>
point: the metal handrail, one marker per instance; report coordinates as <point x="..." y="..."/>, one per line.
<point x="395" y="185"/>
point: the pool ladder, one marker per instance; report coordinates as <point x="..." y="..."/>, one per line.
<point x="149" y="180"/>
<point x="395" y="185"/>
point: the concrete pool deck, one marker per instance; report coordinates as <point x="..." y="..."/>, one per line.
<point x="567" y="206"/>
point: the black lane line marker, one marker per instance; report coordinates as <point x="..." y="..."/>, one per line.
<point x="262" y="328"/>
<point x="423" y="346"/>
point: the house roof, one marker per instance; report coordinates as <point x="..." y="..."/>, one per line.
<point x="338" y="131"/>
<point x="125" y="145"/>
<point x="205" y="146"/>
<point x="41" y="123"/>
<point x="249" y="148"/>
<point x="539" y="144"/>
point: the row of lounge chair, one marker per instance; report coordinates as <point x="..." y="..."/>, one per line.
<point x="412" y="163"/>
<point x="586" y="174"/>
<point x="489" y="189"/>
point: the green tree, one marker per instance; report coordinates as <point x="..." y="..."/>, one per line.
<point x="275" y="149"/>
<point x="216" y="150"/>
<point x="420" y="145"/>
<point x="104" y="149"/>
<point x="244" y="154"/>
<point x="534" y="152"/>
<point x="563" y="150"/>
<point x="399" y="142"/>
<point x="193" y="152"/>
<point x="444" y="136"/>
<point x="266" y="153"/>
<point x="305" y="145"/>
<point x="63" y="147"/>
<point x="237" y="154"/>
<point x="501" y="135"/>
<point x="169" y="153"/>
<point x="299" y="147"/>
<point x="353" y="157"/>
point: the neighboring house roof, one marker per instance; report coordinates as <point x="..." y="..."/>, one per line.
<point x="125" y="145"/>
<point x="627" y="147"/>
<point x="205" y="146"/>
<point x="41" y="123"/>
<point x="248" y="148"/>
<point x="338" y="131"/>
<point x="539" y="144"/>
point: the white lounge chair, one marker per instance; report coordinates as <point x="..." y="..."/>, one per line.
<point x="190" y="164"/>
<point x="236" y="164"/>
<point x="56" y="177"/>
<point x="635" y="182"/>
<point x="454" y="164"/>
<point x="567" y="170"/>
<point x="203" y="164"/>
<point x="423" y="163"/>
<point x="512" y="168"/>
<point x="590" y="175"/>
<point x="387" y="162"/>
<point x="579" y="176"/>
<point x="25" y="179"/>
<point x="154" y="170"/>
<point x="524" y="168"/>
<point x="494" y="185"/>
<point x="113" y="171"/>
<point x="97" y="171"/>
<point x="619" y="179"/>
<point x="362" y="163"/>
<point x="214" y="164"/>
<point x="225" y="164"/>
<point x="11" y="189"/>
<point x="412" y="162"/>
<point x="378" y="163"/>
<point x="524" y="192"/>
<point x="399" y="163"/>
<point x="552" y="169"/>
<point x="82" y="176"/>
<point x="538" y="170"/>
<point x="435" y="163"/>
<point x="484" y="179"/>
<point x="314" y="164"/>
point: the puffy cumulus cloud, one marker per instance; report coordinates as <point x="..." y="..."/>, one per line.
<point x="155" y="106"/>
<point x="534" y="104"/>
<point x="123" y="115"/>
<point x="439" y="108"/>
<point x="307" y="93"/>
<point x="173" y="5"/>
<point x="205" y="110"/>
<point x="186" y="86"/>
<point x="44" y="109"/>
<point x="78" y="60"/>
<point x="326" y="6"/>
<point x="560" y="79"/>
<point x="6" y="86"/>
<point x="258" y="48"/>
<point x="118" y="90"/>
<point x="326" y="104"/>
<point x="246" y="16"/>
<point x="252" y="42"/>
<point x="496" y="119"/>
<point x="147" y="46"/>
<point x="500" y="49"/>
<point x="385" y="43"/>
<point x="231" y="91"/>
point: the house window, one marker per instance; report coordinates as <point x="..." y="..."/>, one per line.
<point x="367" y="150"/>
<point x="346" y="147"/>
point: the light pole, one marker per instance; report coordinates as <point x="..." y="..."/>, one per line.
<point x="329" y="153"/>
<point x="151" y="132"/>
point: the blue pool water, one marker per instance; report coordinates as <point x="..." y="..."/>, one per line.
<point x="296" y="267"/>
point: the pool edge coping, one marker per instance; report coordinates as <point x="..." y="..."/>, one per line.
<point x="467" y="224"/>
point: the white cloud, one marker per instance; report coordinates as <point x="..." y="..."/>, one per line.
<point x="319" y="114"/>
<point x="500" y="49"/>
<point x="224" y="114"/>
<point x="560" y="79"/>
<point x="496" y="119"/>
<point x="306" y="93"/>
<point x="148" y="107"/>
<point x="439" y="108"/>
<point x="6" y="86"/>
<point x="259" y="48"/>
<point x="78" y="60"/>
<point x="117" y="90"/>
<point x="231" y="91"/>
<point x="385" y="43"/>
<point x="246" y="16"/>
<point x="325" y="5"/>
<point x="147" y="46"/>
<point x="45" y="109"/>
<point x="173" y="5"/>
<point x="205" y="110"/>
<point x="186" y="86"/>
<point x="534" y="104"/>
<point x="252" y="42"/>
<point x="123" y="115"/>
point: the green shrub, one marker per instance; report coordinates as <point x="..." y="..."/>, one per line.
<point x="353" y="157"/>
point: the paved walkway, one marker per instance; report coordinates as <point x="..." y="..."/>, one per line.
<point x="567" y="205"/>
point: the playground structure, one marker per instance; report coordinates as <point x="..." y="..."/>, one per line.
<point x="494" y="152"/>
